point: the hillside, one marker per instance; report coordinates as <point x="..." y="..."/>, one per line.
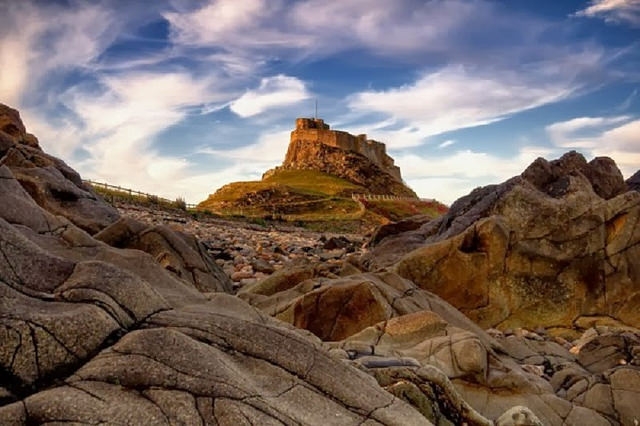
<point x="312" y="196"/>
<point x="327" y="176"/>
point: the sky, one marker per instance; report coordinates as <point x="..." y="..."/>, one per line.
<point x="180" y="97"/>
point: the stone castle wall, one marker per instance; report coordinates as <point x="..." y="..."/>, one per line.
<point x="316" y="130"/>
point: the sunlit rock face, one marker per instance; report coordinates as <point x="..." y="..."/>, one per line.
<point x="314" y="146"/>
<point x="557" y="243"/>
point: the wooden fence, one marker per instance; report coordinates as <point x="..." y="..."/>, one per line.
<point x="359" y="198"/>
<point x="127" y="191"/>
<point x="133" y="193"/>
<point x="384" y="197"/>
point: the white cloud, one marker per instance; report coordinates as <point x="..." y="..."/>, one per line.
<point x="121" y="124"/>
<point x="624" y="138"/>
<point x="621" y="143"/>
<point x="268" y="29"/>
<point x="573" y="133"/>
<point x="406" y="26"/>
<point x="617" y="11"/>
<point x="615" y="137"/>
<point x="268" y="151"/>
<point x="274" y="92"/>
<point x="36" y="41"/>
<point x="116" y="129"/>
<point x="14" y="65"/>
<point x="233" y="25"/>
<point x="455" y="98"/>
<point x="447" y="178"/>
<point x="446" y="143"/>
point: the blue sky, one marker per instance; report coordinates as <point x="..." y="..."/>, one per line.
<point x="179" y="97"/>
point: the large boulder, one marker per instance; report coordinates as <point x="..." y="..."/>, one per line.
<point x="421" y="349"/>
<point x="50" y="182"/>
<point x="177" y="252"/>
<point x="336" y="308"/>
<point x="557" y="243"/>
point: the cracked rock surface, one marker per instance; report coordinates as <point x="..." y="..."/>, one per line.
<point x="141" y="332"/>
<point x="421" y="349"/>
<point x="51" y="183"/>
<point x="556" y="244"/>
<point x="108" y="320"/>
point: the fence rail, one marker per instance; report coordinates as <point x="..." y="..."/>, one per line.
<point x="133" y="193"/>
<point x="128" y="191"/>
<point x="385" y="197"/>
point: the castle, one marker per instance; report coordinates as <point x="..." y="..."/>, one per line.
<point x="316" y="130"/>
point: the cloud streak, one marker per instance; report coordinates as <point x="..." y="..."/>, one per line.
<point x="571" y="133"/>
<point x="273" y="92"/>
<point x="456" y="98"/>
<point x="37" y="41"/>
<point x="615" y="137"/>
<point x="614" y="11"/>
<point x="447" y="178"/>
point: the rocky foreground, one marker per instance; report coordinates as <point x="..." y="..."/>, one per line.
<point x="250" y="252"/>
<point x="125" y="317"/>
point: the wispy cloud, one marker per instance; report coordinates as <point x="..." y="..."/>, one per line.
<point x="449" y="177"/>
<point x="456" y="97"/>
<point x="615" y="137"/>
<point x="267" y="151"/>
<point x="39" y="40"/>
<point x="229" y="23"/>
<point x="615" y="11"/>
<point x="120" y="125"/>
<point x="628" y="102"/>
<point x="581" y="132"/>
<point x="273" y="92"/>
<point x="374" y="24"/>
<point x="446" y="143"/>
<point x="311" y="29"/>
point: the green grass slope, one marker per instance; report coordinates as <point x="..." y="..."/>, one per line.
<point x="313" y="198"/>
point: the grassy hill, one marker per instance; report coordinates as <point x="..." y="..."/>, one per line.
<point x="312" y="198"/>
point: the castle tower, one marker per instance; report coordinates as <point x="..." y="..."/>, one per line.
<point x="315" y="130"/>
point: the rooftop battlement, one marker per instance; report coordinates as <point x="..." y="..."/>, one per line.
<point x="311" y="123"/>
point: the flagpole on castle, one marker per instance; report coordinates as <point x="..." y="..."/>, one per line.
<point x="316" y="116"/>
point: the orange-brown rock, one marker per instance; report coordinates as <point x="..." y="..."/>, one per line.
<point x="334" y="309"/>
<point x="556" y="244"/>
